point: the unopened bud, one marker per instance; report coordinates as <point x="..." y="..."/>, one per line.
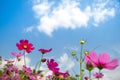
<point x="43" y="60"/>
<point x="86" y="52"/>
<point x="73" y="53"/>
<point x="82" y="42"/>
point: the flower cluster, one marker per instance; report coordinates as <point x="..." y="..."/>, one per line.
<point x="53" y="66"/>
<point x="11" y="72"/>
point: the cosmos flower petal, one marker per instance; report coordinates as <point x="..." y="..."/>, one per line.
<point x="14" y="54"/>
<point x="104" y="58"/>
<point x="93" y="57"/>
<point x="112" y="65"/>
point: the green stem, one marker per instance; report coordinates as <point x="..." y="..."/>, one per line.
<point x="99" y="74"/>
<point x="36" y="66"/>
<point x="81" y="73"/>
<point x="24" y="58"/>
<point x="40" y="62"/>
<point x="89" y="75"/>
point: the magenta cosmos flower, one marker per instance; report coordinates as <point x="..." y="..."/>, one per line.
<point x="25" y="45"/>
<point x="52" y="65"/>
<point x="43" y="51"/>
<point x="102" y="61"/>
<point x="17" y="55"/>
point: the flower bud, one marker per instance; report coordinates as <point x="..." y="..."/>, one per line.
<point x="19" y="59"/>
<point x="39" y="71"/>
<point x="82" y="70"/>
<point x="86" y="53"/>
<point x="82" y="42"/>
<point x="43" y="60"/>
<point x="77" y="75"/>
<point x="73" y="53"/>
<point x="89" y="66"/>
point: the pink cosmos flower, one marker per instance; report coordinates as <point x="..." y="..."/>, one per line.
<point x="17" y="55"/>
<point x="34" y="77"/>
<point x="12" y="68"/>
<point x="38" y="77"/>
<point x="98" y="75"/>
<point x="43" y="51"/>
<point x="102" y="61"/>
<point x="52" y="65"/>
<point x="9" y="61"/>
<point x="25" y="45"/>
<point x="5" y="77"/>
<point x="63" y="75"/>
<point x="26" y="69"/>
<point x="16" y="77"/>
<point x="86" y="77"/>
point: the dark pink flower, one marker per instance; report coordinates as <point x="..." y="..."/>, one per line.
<point x="43" y="51"/>
<point x="98" y="75"/>
<point x="17" y="55"/>
<point x="102" y="61"/>
<point x="25" y="45"/>
<point x="52" y="65"/>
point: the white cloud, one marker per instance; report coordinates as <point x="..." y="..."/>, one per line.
<point x="112" y="75"/>
<point x="65" y="62"/>
<point x="29" y="29"/>
<point x="101" y="12"/>
<point x="68" y="14"/>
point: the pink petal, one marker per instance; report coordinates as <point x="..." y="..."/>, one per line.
<point x="112" y="65"/>
<point x="87" y="59"/>
<point x="104" y="58"/>
<point x="26" y="41"/>
<point x="93" y="57"/>
<point x="20" y="54"/>
<point x="30" y="44"/>
<point x="13" y="53"/>
<point x="19" y="46"/>
<point x="21" y="41"/>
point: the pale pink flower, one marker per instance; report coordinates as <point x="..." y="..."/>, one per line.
<point x="102" y="61"/>
<point x="9" y="61"/>
<point x="17" y="55"/>
<point x="98" y="75"/>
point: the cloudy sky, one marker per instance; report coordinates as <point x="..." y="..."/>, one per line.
<point x="61" y="24"/>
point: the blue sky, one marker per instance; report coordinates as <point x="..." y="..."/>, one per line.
<point x="61" y="24"/>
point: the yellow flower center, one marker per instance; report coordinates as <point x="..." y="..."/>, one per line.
<point x="25" y="46"/>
